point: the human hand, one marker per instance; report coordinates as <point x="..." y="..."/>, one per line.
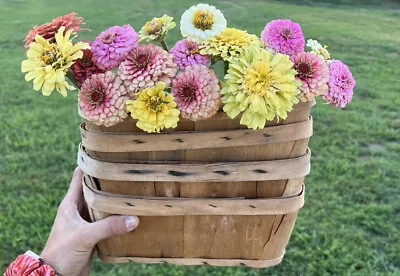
<point x="70" y="247"/>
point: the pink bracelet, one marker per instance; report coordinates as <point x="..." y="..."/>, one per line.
<point x="29" y="264"/>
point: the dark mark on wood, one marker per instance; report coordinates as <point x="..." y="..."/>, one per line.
<point x="222" y="172"/>
<point x="130" y="204"/>
<point x="267" y="135"/>
<point x="205" y="263"/>
<point x="259" y="171"/>
<point x="176" y="173"/>
<point x="212" y="206"/>
<point x="140" y="171"/>
<point x="179" y="140"/>
<point x="226" y="138"/>
<point x="137" y="141"/>
<point x="252" y="206"/>
<point x="168" y="206"/>
<point x="242" y="264"/>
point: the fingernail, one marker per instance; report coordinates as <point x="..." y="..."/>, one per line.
<point x="131" y="222"/>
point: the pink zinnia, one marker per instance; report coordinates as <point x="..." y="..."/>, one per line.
<point x="145" y="66"/>
<point x="341" y="85"/>
<point x="48" y="31"/>
<point x="84" y="67"/>
<point x="197" y="92"/>
<point x="111" y="46"/>
<point x="102" y="99"/>
<point x="312" y="71"/>
<point x="187" y="53"/>
<point x="283" y="36"/>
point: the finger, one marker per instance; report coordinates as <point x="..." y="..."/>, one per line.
<point x="74" y="193"/>
<point x="111" y="226"/>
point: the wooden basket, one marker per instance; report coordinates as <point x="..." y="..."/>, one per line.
<point x="208" y="193"/>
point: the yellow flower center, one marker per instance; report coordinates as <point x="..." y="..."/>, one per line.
<point x="155" y="103"/>
<point x="324" y="52"/>
<point x="108" y="38"/>
<point x="203" y="19"/>
<point x="49" y="55"/>
<point x="192" y="47"/>
<point x="258" y="79"/>
<point x="154" y="26"/>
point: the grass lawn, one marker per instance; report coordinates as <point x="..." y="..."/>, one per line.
<point x="351" y="220"/>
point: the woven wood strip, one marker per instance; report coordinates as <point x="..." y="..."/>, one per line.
<point x="164" y="206"/>
<point x="195" y="172"/>
<point x="181" y="140"/>
<point x="192" y="261"/>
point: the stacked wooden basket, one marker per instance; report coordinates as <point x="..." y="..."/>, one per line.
<point x="207" y="193"/>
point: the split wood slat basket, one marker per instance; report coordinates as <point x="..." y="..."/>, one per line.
<point x="207" y="193"/>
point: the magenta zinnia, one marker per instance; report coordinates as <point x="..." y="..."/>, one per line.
<point x="312" y="71"/>
<point x="283" y="36"/>
<point x="187" y="53"/>
<point x="111" y="46"/>
<point x="102" y="99"/>
<point x="197" y="92"/>
<point x="84" y="67"/>
<point x="48" y="31"/>
<point x="341" y="85"/>
<point x="145" y="66"/>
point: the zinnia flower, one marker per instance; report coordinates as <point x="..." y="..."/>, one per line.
<point x="48" y="63"/>
<point x="186" y="53"/>
<point x="154" y="109"/>
<point x="341" y="85"/>
<point x="283" y="36"/>
<point x="102" y="99"/>
<point x="111" y="46"/>
<point x="312" y="71"/>
<point x="260" y="84"/>
<point x="145" y="66"/>
<point x="48" y="31"/>
<point x="317" y="49"/>
<point x="84" y="67"/>
<point x="230" y="43"/>
<point x="157" y="28"/>
<point x="197" y="92"/>
<point x="201" y="22"/>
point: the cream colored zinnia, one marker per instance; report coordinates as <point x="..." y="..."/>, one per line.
<point x="260" y="84"/>
<point x="157" y="28"/>
<point x="229" y="44"/>
<point x="317" y="49"/>
<point x="202" y="22"/>
<point x="154" y="109"/>
<point x="48" y="63"/>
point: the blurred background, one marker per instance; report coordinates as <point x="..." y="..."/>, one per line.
<point x="351" y="220"/>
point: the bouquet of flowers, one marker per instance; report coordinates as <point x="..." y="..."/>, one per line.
<point x="125" y="73"/>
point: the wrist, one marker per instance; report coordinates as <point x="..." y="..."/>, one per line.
<point x="29" y="264"/>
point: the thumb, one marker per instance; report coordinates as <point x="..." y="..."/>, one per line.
<point x="112" y="226"/>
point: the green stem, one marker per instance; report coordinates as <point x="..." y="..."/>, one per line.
<point x="164" y="45"/>
<point x="70" y="75"/>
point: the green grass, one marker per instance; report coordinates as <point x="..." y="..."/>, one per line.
<point x="351" y="220"/>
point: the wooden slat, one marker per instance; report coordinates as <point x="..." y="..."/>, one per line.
<point x="164" y="206"/>
<point x="192" y="261"/>
<point x="192" y="172"/>
<point x="180" y="140"/>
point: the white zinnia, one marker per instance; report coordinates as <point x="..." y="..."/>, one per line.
<point x="215" y="25"/>
<point x="318" y="49"/>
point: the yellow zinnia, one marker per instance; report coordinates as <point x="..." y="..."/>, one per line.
<point x="48" y="63"/>
<point x="154" y="109"/>
<point x="230" y="43"/>
<point x="260" y="84"/>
